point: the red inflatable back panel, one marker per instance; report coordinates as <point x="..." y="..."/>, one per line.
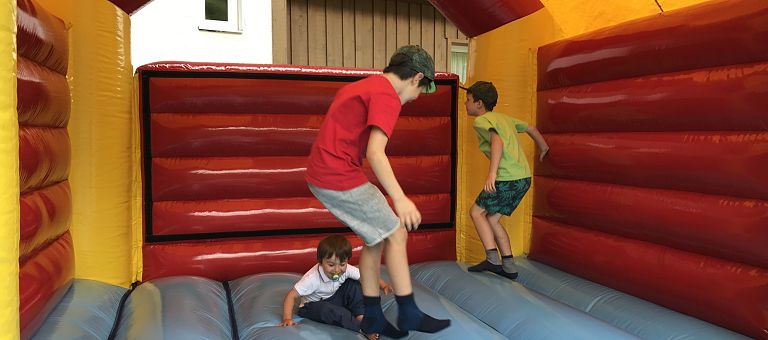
<point x="479" y="16"/>
<point x="228" y="135"/>
<point x="230" y="259"/>
<point x="41" y="37"/>
<point x="271" y="96"/>
<point x="192" y="217"/>
<point x="43" y="280"/>
<point x="714" y="33"/>
<point x="258" y="177"/>
<point x="225" y="155"/>
<point x="730" y="294"/>
<point x="656" y="183"/>
<point x="45" y="214"/>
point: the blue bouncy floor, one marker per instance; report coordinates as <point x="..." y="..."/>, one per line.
<point x="545" y="303"/>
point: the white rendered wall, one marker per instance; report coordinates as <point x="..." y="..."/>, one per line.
<point x="168" y="30"/>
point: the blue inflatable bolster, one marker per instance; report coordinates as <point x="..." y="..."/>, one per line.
<point x="639" y="317"/>
<point x="512" y="309"/>
<point x="179" y="307"/>
<point x="87" y="311"/>
<point x="258" y="300"/>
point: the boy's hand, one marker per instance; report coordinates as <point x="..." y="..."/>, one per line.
<point x="490" y="184"/>
<point x="387" y="289"/>
<point x="287" y="323"/>
<point x="543" y="153"/>
<point x="410" y="217"/>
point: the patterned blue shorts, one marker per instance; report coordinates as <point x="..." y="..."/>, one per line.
<point x="506" y="198"/>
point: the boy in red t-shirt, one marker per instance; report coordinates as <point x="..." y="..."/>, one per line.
<point x="359" y="124"/>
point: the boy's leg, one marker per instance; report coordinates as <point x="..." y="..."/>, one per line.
<point x="409" y="317"/>
<point x="329" y="313"/>
<point x="350" y="296"/>
<point x="373" y="319"/>
<point x="486" y="234"/>
<point x="502" y="239"/>
<point x="499" y="234"/>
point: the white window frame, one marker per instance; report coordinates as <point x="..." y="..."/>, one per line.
<point x="232" y="25"/>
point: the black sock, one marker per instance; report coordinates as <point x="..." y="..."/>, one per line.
<point x="410" y="317"/>
<point x="374" y="320"/>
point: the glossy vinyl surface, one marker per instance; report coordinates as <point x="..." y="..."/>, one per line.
<point x="230" y="259"/>
<point x="43" y="95"/>
<point x="636" y="316"/>
<point x="41" y="37"/>
<point x="479" y="16"/>
<point x="233" y="93"/>
<point x="193" y="217"/>
<point x="256" y="177"/>
<point x="730" y="294"/>
<point x="211" y="135"/>
<point x="724" y="98"/>
<point x="724" y="227"/>
<point x="181" y="307"/>
<point x="87" y="311"/>
<point x="45" y="214"/>
<point x="718" y="163"/>
<point x="511" y="309"/>
<point x="715" y="33"/>
<point x="43" y="280"/>
<point x="44" y="157"/>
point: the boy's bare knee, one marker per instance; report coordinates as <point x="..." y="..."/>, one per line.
<point x="400" y="236"/>
<point x="476" y="212"/>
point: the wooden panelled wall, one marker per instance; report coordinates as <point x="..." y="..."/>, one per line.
<point x="357" y="33"/>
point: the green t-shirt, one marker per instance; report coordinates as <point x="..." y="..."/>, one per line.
<point x="513" y="164"/>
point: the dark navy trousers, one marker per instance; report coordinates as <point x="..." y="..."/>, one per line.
<point x="340" y="309"/>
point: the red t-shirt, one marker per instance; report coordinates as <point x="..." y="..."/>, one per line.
<point x="336" y="159"/>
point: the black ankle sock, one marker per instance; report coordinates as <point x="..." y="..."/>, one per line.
<point x="410" y="317"/>
<point x="374" y="320"/>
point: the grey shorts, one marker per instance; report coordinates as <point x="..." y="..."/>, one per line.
<point x="363" y="209"/>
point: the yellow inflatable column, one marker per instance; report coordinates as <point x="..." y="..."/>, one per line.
<point x="506" y="57"/>
<point x="9" y="175"/>
<point x="101" y="81"/>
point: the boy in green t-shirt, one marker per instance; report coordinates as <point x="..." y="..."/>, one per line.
<point x="509" y="176"/>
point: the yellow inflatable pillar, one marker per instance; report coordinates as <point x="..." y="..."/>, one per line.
<point x="9" y="175"/>
<point x="102" y="172"/>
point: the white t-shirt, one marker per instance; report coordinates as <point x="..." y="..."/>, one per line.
<point x="316" y="286"/>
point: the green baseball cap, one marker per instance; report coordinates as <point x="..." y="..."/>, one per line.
<point x="422" y="62"/>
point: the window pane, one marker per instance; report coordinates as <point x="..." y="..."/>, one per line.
<point x="459" y="65"/>
<point x="216" y="10"/>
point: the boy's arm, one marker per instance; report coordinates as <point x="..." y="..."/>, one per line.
<point x="288" y="302"/>
<point x="497" y="146"/>
<point x="407" y="212"/>
<point x="539" y="139"/>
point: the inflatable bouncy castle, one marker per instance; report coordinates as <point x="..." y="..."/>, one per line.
<point x="170" y="203"/>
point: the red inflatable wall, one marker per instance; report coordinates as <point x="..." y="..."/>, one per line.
<point x="657" y="179"/>
<point x="46" y="251"/>
<point x="225" y="149"/>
